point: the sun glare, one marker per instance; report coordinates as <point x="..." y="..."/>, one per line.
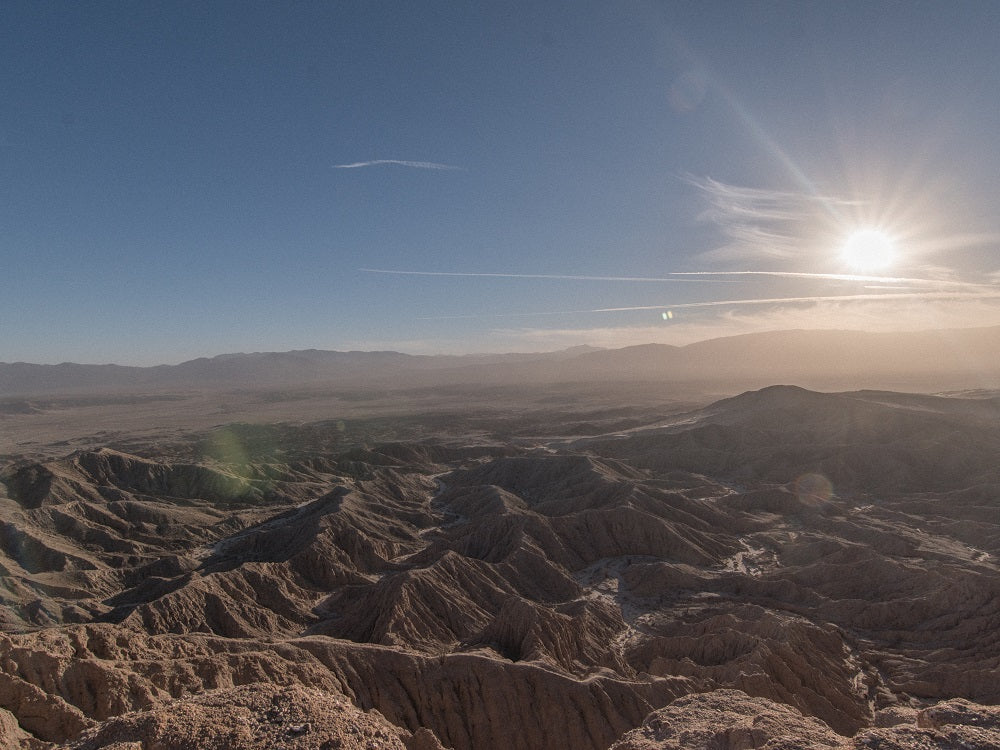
<point x="868" y="250"/>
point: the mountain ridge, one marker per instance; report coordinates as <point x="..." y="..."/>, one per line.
<point x="959" y="358"/>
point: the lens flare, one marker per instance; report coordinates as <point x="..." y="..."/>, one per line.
<point x="813" y="489"/>
<point x="228" y="449"/>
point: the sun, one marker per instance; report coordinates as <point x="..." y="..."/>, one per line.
<point x="868" y="250"/>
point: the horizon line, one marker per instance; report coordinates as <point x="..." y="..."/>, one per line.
<point x="499" y="353"/>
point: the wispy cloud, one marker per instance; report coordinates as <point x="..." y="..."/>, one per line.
<point x="763" y="224"/>
<point x="804" y="229"/>
<point x="557" y="276"/>
<point x="773" y="235"/>
<point x="922" y="296"/>
<point x="398" y="163"/>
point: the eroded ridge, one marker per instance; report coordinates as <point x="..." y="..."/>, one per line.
<point x="781" y="567"/>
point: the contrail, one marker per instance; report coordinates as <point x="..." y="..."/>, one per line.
<point x="566" y="277"/>
<point x="740" y="302"/>
<point x="398" y="162"/>
<point x="822" y="298"/>
<point x="835" y="277"/>
<point x="673" y="277"/>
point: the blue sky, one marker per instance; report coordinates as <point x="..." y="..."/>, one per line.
<point x="182" y="179"/>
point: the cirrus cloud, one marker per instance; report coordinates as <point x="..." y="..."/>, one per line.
<point x="398" y="163"/>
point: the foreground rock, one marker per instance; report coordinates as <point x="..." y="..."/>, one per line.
<point x="732" y="720"/>
<point x="254" y="717"/>
<point x="727" y="720"/>
<point x="949" y="725"/>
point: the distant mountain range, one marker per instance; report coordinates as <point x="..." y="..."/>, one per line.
<point x="935" y="359"/>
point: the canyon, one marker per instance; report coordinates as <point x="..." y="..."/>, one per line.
<point x="484" y="566"/>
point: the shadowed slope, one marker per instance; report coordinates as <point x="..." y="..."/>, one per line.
<point x="835" y="554"/>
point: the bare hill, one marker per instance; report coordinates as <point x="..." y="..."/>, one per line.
<point x="784" y="568"/>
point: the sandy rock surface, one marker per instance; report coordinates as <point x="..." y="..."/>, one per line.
<point x="779" y="569"/>
<point x="733" y="720"/>
<point x="252" y="717"/>
<point x="727" y="720"/>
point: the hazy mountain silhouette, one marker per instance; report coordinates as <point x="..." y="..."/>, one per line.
<point x="959" y="358"/>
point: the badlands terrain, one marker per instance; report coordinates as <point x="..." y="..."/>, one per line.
<point x="432" y="555"/>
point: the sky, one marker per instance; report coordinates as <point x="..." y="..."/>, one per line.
<point x="184" y="179"/>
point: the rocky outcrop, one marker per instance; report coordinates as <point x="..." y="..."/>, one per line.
<point x="728" y="720"/>
<point x="766" y="654"/>
<point x="253" y="717"/>
<point x="102" y="671"/>
<point x="949" y="724"/>
<point x="13" y="737"/>
<point x="778" y="568"/>
<point x="732" y="720"/>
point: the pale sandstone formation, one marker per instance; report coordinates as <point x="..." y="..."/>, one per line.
<point x="13" y="737"/>
<point x="466" y="699"/>
<point x="833" y="557"/>
<point x="728" y="720"/>
<point x="254" y="717"/>
<point x="732" y="720"/>
<point x="950" y="725"/>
